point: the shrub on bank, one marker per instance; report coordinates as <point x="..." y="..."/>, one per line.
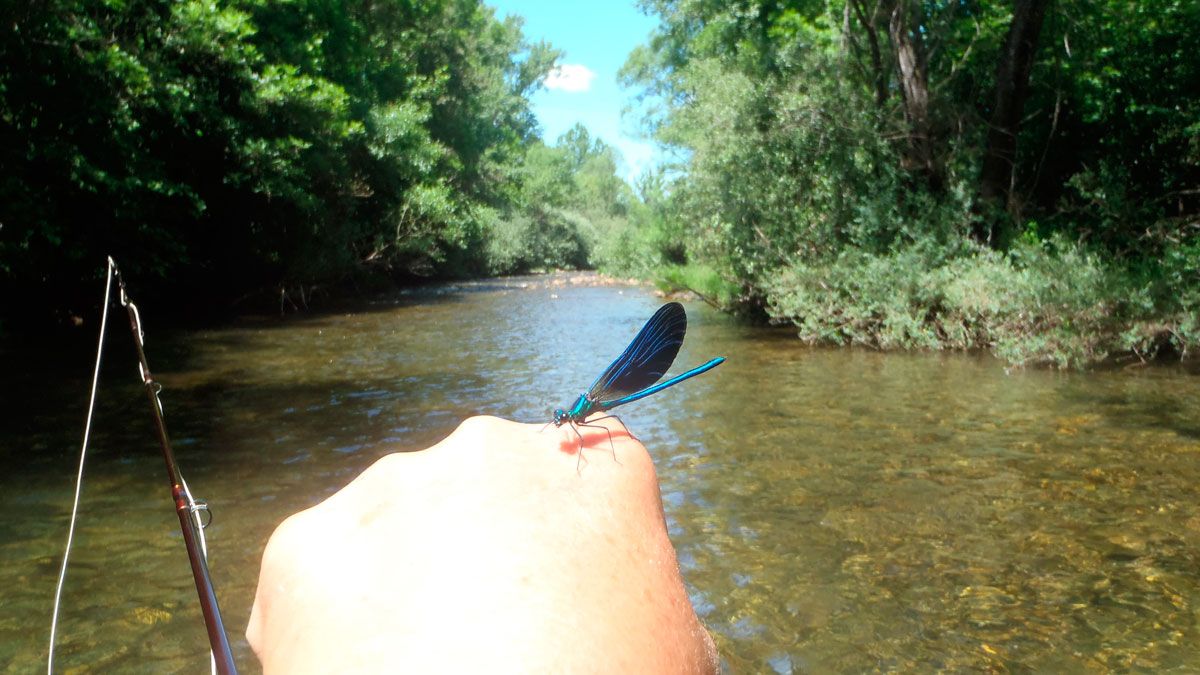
<point x="1039" y="303"/>
<point x="539" y="240"/>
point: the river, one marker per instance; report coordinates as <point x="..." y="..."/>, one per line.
<point x="833" y="509"/>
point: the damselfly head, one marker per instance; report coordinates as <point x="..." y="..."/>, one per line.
<point x="560" y="417"/>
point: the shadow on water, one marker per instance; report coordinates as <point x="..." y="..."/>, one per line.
<point x="833" y="510"/>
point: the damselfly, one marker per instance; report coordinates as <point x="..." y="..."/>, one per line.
<point x="633" y="374"/>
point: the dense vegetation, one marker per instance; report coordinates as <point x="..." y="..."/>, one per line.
<point x="251" y="148"/>
<point x="1016" y="176"/>
<point x="1021" y="177"/>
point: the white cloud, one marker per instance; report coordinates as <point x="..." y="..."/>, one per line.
<point x="570" y="77"/>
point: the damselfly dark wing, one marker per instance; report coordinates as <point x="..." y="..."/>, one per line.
<point x="646" y="359"/>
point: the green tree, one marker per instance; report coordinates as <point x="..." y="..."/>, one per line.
<point x="572" y="210"/>
<point x="894" y="137"/>
<point x="223" y="147"/>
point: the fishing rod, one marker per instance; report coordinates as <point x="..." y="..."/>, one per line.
<point x="185" y="506"/>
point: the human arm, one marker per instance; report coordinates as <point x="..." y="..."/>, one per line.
<point x="489" y="550"/>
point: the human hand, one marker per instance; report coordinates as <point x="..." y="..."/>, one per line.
<point x="488" y="551"/>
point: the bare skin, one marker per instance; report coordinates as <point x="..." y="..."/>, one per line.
<point x="486" y="552"/>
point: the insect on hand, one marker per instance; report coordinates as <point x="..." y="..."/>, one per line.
<point x="633" y="374"/>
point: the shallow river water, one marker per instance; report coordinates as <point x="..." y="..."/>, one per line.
<point x="833" y="510"/>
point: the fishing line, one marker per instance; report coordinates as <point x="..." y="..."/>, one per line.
<point x="87" y="430"/>
<point x="183" y="494"/>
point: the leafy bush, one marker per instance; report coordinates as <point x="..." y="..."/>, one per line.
<point x="1054" y="303"/>
<point x="707" y="282"/>
<point x="522" y="242"/>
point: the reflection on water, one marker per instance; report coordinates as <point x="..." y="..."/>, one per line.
<point x="833" y="509"/>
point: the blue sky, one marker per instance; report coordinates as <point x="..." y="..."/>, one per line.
<point x="596" y="36"/>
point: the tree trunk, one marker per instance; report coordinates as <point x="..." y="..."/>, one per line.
<point x="908" y="45"/>
<point x="997" y="179"/>
<point x="868" y="21"/>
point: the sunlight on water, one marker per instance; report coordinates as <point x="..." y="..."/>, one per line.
<point x="834" y="510"/>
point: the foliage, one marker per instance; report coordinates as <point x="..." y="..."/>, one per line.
<point x="1054" y="303"/>
<point x="1021" y="177"/>
<point x="223" y="146"/>
<point x="834" y="169"/>
<point x="572" y="208"/>
<point x="535" y="242"/>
